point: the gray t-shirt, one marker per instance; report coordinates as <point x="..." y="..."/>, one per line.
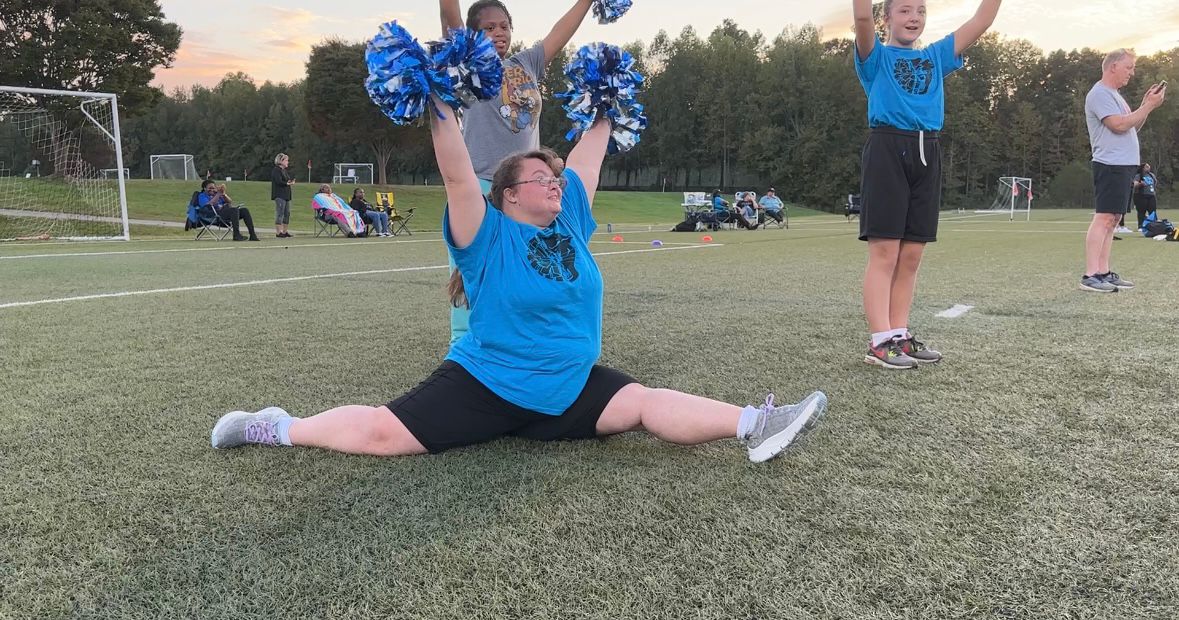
<point x="1109" y="147"/>
<point x="509" y="123"/>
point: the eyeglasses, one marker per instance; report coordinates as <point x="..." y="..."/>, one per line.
<point x="560" y="182"/>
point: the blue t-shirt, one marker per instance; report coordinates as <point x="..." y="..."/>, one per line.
<point x="718" y="204"/>
<point x="904" y="86"/>
<point x="536" y="304"/>
<point x="1147" y="187"/>
<point x="204" y="199"/>
<point x="770" y="203"/>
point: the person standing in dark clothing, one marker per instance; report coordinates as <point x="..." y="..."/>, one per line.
<point x="280" y="192"/>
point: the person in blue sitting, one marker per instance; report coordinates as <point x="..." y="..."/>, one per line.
<point x="214" y="199"/>
<point x="528" y="366"/>
<point x="772" y="205"/>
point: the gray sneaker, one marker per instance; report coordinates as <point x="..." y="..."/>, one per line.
<point x="242" y="427"/>
<point x="1116" y="280"/>
<point x="778" y="426"/>
<point x="889" y="354"/>
<point x="1096" y="284"/>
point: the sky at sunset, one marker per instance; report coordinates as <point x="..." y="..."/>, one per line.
<point x="271" y="40"/>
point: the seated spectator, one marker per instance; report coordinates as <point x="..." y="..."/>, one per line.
<point x="719" y="204"/>
<point x="772" y="205"/>
<point x="747" y="208"/>
<point x="379" y="219"/>
<point x="335" y="209"/>
<point x="214" y="201"/>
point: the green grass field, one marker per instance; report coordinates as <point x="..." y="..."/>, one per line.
<point x="1031" y="475"/>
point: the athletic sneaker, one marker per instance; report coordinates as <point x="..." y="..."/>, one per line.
<point x="1122" y="229"/>
<point x="242" y="427"/>
<point x="778" y="426"/>
<point x="919" y="351"/>
<point x="889" y="355"/>
<point x="1097" y="284"/>
<point x="1116" y="280"/>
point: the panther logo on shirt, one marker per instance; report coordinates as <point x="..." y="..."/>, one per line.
<point x="915" y="75"/>
<point x="552" y="255"/>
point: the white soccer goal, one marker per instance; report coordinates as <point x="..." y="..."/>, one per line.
<point x="54" y="145"/>
<point x="360" y="174"/>
<point x="110" y="173"/>
<point x="1013" y="195"/>
<point x="173" y="167"/>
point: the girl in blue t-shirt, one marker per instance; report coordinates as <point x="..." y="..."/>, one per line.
<point x="509" y="123"/>
<point x="528" y="365"/>
<point x="901" y="180"/>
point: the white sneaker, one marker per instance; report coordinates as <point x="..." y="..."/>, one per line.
<point x="1122" y="229"/>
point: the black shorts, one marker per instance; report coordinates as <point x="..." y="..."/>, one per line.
<point x="1112" y="187"/>
<point x="451" y="408"/>
<point x="900" y="196"/>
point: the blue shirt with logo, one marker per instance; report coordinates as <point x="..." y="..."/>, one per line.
<point x="904" y="86"/>
<point x="1147" y="187"/>
<point x="536" y="304"/>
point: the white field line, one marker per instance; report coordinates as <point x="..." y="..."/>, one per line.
<point x="955" y="312"/>
<point x="223" y="248"/>
<point x="182" y="289"/>
<point x="227" y="248"/>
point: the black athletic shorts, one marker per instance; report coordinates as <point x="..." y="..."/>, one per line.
<point x="451" y="408"/>
<point x="899" y="196"/>
<point x="1112" y="187"/>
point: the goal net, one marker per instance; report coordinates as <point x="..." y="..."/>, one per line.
<point x="54" y="146"/>
<point x="173" y="167"/>
<point x="360" y="174"/>
<point x="1013" y="195"/>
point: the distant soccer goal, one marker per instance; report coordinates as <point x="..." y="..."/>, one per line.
<point x="54" y="146"/>
<point x="1013" y="195"/>
<point x="175" y="166"/>
<point x="111" y="173"/>
<point x="360" y="174"/>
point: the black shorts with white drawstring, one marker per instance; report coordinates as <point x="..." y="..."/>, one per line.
<point x="901" y="195"/>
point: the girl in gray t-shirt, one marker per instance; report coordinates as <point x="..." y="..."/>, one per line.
<point x="509" y="123"/>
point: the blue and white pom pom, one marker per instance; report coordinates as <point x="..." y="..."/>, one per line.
<point x="398" y="74"/>
<point x="608" y="11"/>
<point x="603" y="82"/>
<point x="466" y="68"/>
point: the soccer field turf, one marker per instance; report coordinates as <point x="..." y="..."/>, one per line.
<point x="1030" y="475"/>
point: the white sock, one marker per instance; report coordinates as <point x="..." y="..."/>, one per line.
<point x="879" y="338"/>
<point x="748" y="421"/>
<point x="900" y="332"/>
<point x="283" y="428"/>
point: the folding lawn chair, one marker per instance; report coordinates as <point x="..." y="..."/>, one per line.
<point x="852" y="206"/>
<point x="325" y="224"/>
<point x="398" y="220"/>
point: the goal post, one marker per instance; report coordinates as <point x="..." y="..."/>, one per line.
<point x="1012" y="195"/>
<point x="54" y="145"/>
<point x="360" y="174"/>
<point x="177" y="166"/>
